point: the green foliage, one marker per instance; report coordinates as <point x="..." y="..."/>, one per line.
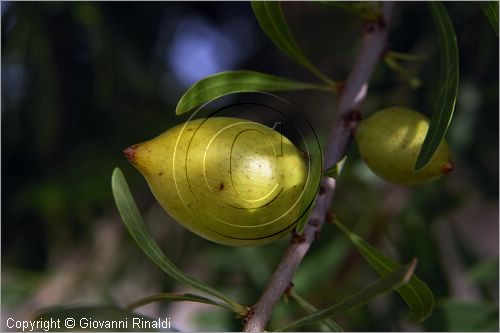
<point x="392" y="60"/>
<point x="170" y="297"/>
<point x="335" y="170"/>
<point x="393" y="64"/>
<point x="490" y="9"/>
<point x="224" y="83"/>
<point x="396" y="279"/>
<point x="416" y="294"/>
<point x="326" y="325"/>
<point x="273" y="23"/>
<point x="133" y="221"/>
<point x="448" y="85"/>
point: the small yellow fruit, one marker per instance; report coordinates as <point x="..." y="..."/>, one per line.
<point x="232" y="181"/>
<point x="390" y="140"/>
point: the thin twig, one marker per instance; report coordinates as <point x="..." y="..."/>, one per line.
<point x="349" y="114"/>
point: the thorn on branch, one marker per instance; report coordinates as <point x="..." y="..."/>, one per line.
<point x="249" y="315"/>
<point x="288" y="289"/>
<point x="330" y="217"/>
<point x="376" y="25"/>
<point x="369" y="27"/>
<point x="351" y="119"/>
<point x="340" y="88"/>
<point x="297" y="239"/>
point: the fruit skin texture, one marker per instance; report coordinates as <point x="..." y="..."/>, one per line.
<point x="390" y="140"/>
<point x="229" y="180"/>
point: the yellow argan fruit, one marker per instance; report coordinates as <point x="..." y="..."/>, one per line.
<point x="390" y="140"/>
<point x="232" y="181"/>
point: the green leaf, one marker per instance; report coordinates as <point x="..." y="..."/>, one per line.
<point x="413" y="81"/>
<point x="133" y="221"/>
<point x="335" y="170"/>
<point x="365" y="9"/>
<point x="448" y="84"/>
<point x="326" y="325"/>
<point x="490" y="9"/>
<point x="273" y="23"/>
<point x="416" y="294"/>
<point x="170" y="297"/>
<point x="389" y="282"/>
<point x="404" y="56"/>
<point x="102" y="319"/>
<point x="228" y="82"/>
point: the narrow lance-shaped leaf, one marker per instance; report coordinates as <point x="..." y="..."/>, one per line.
<point x="224" y="83"/>
<point x="416" y="294"/>
<point x="448" y="84"/>
<point x="133" y="221"/>
<point x="335" y="170"/>
<point x="326" y="325"/>
<point x="412" y="80"/>
<point x="170" y="297"/>
<point x="399" y="56"/>
<point x="273" y="23"/>
<point x="386" y="284"/>
<point x="490" y="9"/>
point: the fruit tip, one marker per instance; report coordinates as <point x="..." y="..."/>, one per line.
<point x="130" y="153"/>
<point x="447" y="167"/>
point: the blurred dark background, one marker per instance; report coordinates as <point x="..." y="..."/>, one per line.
<point x="81" y="81"/>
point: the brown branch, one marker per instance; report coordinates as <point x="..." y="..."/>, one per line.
<point x="349" y="114"/>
